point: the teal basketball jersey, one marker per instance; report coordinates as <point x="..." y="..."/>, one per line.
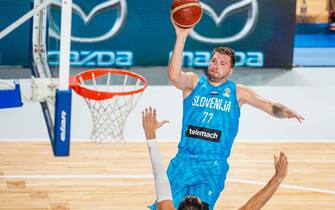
<point x="210" y="119"/>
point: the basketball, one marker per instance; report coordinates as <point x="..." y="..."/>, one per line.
<point x="186" y="13"/>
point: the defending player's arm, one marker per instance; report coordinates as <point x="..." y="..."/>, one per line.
<point x="260" y="198"/>
<point x="182" y="80"/>
<point x="162" y="185"/>
<point x="248" y="96"/>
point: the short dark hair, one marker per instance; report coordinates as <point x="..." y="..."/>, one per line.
<point x="226" y="51"/>
<point x="191" y="203"/>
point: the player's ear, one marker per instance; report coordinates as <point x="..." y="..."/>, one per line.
<point x="231" y="70"/>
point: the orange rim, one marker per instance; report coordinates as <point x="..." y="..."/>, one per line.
<point x="102" y="95"/>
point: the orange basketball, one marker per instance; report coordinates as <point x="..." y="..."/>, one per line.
<point x="186" y="13"/>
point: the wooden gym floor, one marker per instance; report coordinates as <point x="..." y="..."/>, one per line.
<point x="118" y="177"/>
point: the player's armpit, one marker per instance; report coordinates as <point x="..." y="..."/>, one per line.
<point x="165" y="205"/>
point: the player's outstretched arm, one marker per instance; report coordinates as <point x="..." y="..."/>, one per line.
<point x="182" y="80"/>
<point x="162" y="185"/>
<point x="260" y="198"/>
<point x="246" y="95"/>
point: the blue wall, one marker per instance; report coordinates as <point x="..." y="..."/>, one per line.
<point x="146" y="37"/>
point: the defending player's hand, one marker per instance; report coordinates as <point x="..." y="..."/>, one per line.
<point x="281" y="166"/>
<point x="150" y="123"/>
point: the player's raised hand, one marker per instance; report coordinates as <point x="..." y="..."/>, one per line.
<point x="150" y="123"/>
<point x="181" y="32"/>
<point x="281" y="166"/>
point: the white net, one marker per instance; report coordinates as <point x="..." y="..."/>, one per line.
<point x="109" y="116"/>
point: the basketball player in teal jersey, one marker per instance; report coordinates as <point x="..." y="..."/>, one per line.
<point x="211" y="111"/>
<point x="162" y="185"/>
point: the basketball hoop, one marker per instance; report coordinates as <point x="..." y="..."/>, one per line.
<point x="109" y="104"/>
